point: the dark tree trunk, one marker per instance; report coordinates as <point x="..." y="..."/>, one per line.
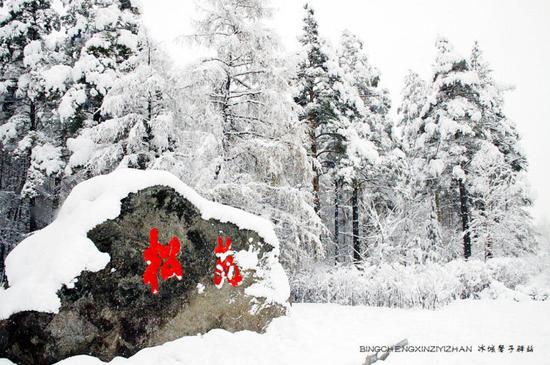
<point x="147" y="122"/>
<point x="96" y="116"/>
<point x="465" y="215"/>
<point x="489" y="238"/>
<point x="32" y="117"/>
<point x="148" y="129"/>
<point x="31" y="202"/>
<point x="227" y="125"/>
<point x="355" y="225"/>
<point x="336" y="219"/>
<point x="489" y="248"/>
<point x="2" y="265"/>
<point x="316" y="188"/>
<point x="33" y="224"/>
<point x="56" y="194"/>
<point x="315" y="180"/>
<point x="2" y="158"/>
<point x="313" y="140"/>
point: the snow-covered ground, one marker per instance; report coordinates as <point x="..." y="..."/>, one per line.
<point x="332" y="334"/>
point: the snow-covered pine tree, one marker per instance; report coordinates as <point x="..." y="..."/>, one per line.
<point x="500" y="221"/>
<point x="101" y="35"/>
<point x="103" y="45"/>
<point x="500" y="130"/>
<point x="413" y="99"/>
<point x="360" y="152"/>
<point x="138" y="127"/>
<point x="261" y="165"/>
<point x="31" y="81"/>
<point x="451" y="132"/>
<point x="366" y="168"/>
<point x="501" y="224"/>
<point x="420" y="241"/>
<point x="320" y="93"/>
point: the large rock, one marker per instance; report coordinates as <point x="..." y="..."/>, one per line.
<point x="111" y="312"/>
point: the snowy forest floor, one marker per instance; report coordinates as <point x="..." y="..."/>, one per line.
<point x="332" y="334"/>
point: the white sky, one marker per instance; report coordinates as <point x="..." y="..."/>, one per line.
<point x="400" y="35"/>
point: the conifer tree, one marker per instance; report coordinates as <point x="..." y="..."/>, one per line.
<point x="451" y="130"/>
<point x="261" y="165"/>
<point x="370" y="166"/>
<point x="30" y="81"/>
<point x="413" y="99"/>
<point x="499" y="194"/>
<point x="101" y="36"/>
<point x="418" y="198"/>
<point x="319" y="93"/>
<point x="103" y="46"/>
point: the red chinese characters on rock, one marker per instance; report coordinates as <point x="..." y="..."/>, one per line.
<point x="163" y="257"/>
<point x="225" y="267"/>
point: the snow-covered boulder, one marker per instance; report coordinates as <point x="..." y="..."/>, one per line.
<point x="77" y="286"/>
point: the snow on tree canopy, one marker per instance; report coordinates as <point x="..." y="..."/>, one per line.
<point x="54" y="256"/>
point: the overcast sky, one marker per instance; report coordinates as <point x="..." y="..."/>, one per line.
<point x="400" y="35"/>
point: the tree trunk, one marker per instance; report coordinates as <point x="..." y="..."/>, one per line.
<point x="489" y="237"/>
<point x="355" y="225"/>
<point x="33" y="224"/>
<point x="31" y="213"/>
<point x="227" y="125"/>
<point x="315" y="180"/>
<point x="3" y="255"/>
<point x="56" y="199"/>
<point x="489" y="247"/>
<point x="438" y="207"/>
<point x="313" y="140"/>
<point x="316" y="189"/>
<point x="434" y="231"/>
<point x="465" y="215"/>
<point x="336" y="219"/>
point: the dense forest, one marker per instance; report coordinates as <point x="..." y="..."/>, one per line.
<point x="306" y="140"/>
